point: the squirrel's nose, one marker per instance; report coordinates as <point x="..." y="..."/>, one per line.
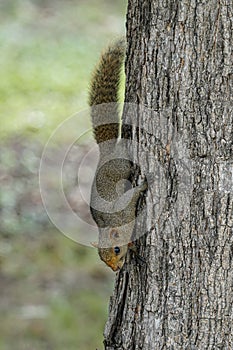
<point x="115" y="268"/>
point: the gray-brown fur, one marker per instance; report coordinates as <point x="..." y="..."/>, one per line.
<point x="113" y="207"/>
<point x="104" y="88"/>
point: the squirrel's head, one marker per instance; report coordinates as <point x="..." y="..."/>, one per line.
<point x="112" y="250"/>
<point x="114" y="257"/>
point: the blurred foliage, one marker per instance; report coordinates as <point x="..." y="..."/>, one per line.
<point x="54" y="292"/>
<point x="50" y="48"/>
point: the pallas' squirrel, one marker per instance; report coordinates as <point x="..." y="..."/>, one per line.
<point x="112" y="206"/>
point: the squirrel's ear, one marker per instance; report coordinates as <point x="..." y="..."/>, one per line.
<point x="94" y="244"/>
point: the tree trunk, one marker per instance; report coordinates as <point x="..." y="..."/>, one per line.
<point x="179" y="68"/>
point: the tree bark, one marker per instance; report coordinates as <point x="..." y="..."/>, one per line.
<point x="179" y="70"/>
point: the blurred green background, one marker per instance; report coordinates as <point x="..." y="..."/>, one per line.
<point x="54" y="292"/>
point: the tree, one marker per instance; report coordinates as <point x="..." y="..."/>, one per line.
<point x="179" y="69"/>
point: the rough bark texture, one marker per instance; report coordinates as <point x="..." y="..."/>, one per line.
<point x="179" y="64"/>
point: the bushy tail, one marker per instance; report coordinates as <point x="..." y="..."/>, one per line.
<point x="104" y="90"/>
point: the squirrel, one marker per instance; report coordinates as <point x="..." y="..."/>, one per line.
<point x="112" y="204"/>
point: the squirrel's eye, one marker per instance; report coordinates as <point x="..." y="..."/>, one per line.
<point x="117" y="250"/>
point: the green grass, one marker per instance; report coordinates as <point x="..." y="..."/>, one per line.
<point x="48" y="52"/>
